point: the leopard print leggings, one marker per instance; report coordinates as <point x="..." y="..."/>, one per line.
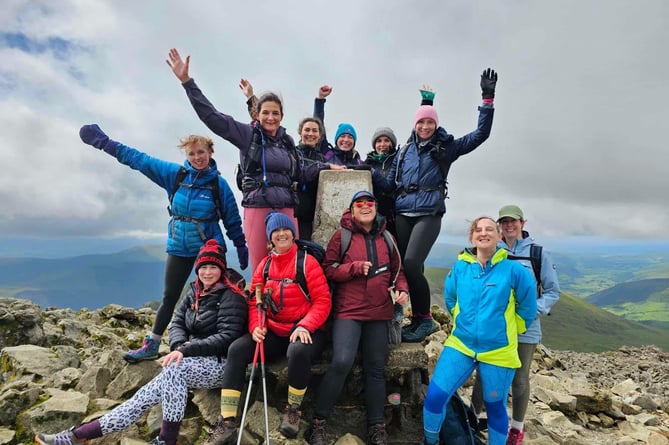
<point x="169" y="387"/>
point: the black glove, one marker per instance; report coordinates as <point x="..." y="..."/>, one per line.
<point x="488" y="82"/>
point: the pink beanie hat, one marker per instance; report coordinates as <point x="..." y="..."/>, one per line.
<point x="426" y="112"/>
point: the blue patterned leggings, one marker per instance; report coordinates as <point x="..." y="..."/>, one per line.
<point x="170" y="388"/>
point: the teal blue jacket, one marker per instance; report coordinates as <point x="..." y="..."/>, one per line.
<point x="490" y="306"/>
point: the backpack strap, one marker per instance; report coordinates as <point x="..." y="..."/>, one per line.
<point x="346" y="236"/>
<point x="178" y="179"/>
<point x="213" y="186"/>
<point x="536" y="250"/>
<point x="300" y="276"/>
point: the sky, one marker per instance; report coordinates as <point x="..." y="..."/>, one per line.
<point x="577" y="138"/>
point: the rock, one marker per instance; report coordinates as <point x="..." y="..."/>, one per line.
<point x="625" y="388"/>
<point x="60" y="411"/>
<point x="6" y="436"/>
<point x="16" y="397"/>
<point x="35" y="360"/>
<point x="131" y="378"/>
<point x="646" y="402"/>
<point x="20" y="323"/>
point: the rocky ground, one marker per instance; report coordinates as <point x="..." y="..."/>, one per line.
<point x="59" y="367"/>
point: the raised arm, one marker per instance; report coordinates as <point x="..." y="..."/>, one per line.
<point x="251" y="99"/>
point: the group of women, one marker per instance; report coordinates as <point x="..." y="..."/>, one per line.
<point x="212" y="337"/>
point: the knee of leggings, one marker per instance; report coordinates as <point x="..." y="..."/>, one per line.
<point x="412" y="267"/>
<point x="497" y="417"/>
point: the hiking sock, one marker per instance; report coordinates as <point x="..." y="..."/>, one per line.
<point x="517" y="425"/>
<point x="295" y="396"/>
<point x="90" y="430"/>
<point x="169" y="431"/>
<point x="229" y="402"/>
<point x="156" y="337"/>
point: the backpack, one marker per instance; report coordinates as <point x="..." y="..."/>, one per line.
<point x="304" y="248"/>
<point x="442" y="187"/>
<point x="460" y="424"/>
<point x="535" y="259"/>
<point x="213" y="186"/>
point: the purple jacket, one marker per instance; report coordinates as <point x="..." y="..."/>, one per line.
<point x="279" y="191"/>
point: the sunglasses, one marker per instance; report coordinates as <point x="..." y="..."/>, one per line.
<point x="362" y="203"/>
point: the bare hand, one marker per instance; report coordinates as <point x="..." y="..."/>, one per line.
<point x="178" y="66"/>
<point x="337" y="167"/>
<point x="324" y="91"/>
<point x="401" y="297"/>
<point x="366" y="265"/>
<point x="304" y="336"/>
<point x="259" y="334"/>
<point x="246" y="88"/>
<point x="173" y="357"/>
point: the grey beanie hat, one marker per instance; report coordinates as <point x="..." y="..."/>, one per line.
<point x="384" y="131"/>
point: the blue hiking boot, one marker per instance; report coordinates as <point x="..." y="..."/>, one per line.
<point x="424" y="327"/>
<point x="148" y="351"/>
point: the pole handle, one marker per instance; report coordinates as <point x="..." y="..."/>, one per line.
<point x="258" y="294"/>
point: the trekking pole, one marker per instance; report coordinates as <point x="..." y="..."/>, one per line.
<point x="256" y="354"/>
<point x="261" y="321"/>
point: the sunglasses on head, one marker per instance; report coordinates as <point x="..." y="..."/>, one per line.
<point x="361" y="203"/>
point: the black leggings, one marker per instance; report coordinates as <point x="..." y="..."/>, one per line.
<point x="415" y="237"/>
<point x="372" y="336"/>
<point x="300" y="356"/>
<point x="177" y="271"/>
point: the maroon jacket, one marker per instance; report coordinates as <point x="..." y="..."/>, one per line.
<point x="360" y="297"/>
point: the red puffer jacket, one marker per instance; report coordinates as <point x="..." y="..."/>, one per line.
<point x="294" y="310"/>
<point x="363" y="297"/>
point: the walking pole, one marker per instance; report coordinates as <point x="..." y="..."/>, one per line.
<point x="248" y="391"/>
<point x="261" y="318"/>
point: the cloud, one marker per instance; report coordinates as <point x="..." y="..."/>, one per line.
<point x="577" y="139"/>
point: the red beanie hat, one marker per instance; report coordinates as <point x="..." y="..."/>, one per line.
<point x="425" y="112"/>
<point x="211" y="253"/>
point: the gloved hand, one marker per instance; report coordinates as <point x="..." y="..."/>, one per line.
<point x="488" y="82"/>
<point x="94" y="136"/>
<point x="242" y="252"/>
<point x="426" y="95"/>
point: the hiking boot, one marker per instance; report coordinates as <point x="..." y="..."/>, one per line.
<point x="290" y="424"/>
<point x="515" y="437"/>
<point x="376" y="434"/>
<point x="66" y="437"/>
<point x="315" y="434"/>
<point x="424" y="327"/>
<point x="148" y="351"/>
<point x="411" y="326"/>
<point x="224" y="433"/>
<point x="157" y="441"/>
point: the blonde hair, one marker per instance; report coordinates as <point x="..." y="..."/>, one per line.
<point x="192" y="139"/>
<point x="475" y="223"/>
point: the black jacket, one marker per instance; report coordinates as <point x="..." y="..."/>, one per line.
<point x="208" y="329"/>
<point x="306" y="192"/>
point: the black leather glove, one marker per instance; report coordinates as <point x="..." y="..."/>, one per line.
<point x="488" y="82"/>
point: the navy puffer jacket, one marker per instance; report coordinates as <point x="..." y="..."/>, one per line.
<point x="419" y="180"/>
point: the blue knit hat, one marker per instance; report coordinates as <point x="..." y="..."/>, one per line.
<point x="345" y="128"/>
<point x="276" y="220"/>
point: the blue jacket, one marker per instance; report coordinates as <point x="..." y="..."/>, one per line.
<point x="419" y="182"/>
<point x="550" y="293"/>
<point x="277" y="158"/>
<point x="184" y="238"/>
<point x="490" y="306"/>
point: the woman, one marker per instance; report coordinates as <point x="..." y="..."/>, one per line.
<point x="295" y="329"/>
<point x="491" y="300"/>
<point x="343" y="152"/>
<point x="195" y="208"/>
<point x="210" y="317"/>
<point x="518" y="244"/>
<point x="268" y="158"/>
<point x="364" y="274"/>
<point x="418" y="179"/>
<point x="380" y="159"/>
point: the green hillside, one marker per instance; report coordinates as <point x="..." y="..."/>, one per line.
<point x="577" y="325"/>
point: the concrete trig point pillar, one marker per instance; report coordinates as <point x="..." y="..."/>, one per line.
<point x="335" y="188"/>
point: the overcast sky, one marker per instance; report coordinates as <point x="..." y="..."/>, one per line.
<point x="577" y="139"/>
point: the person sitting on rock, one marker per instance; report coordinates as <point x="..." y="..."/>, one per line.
<point x="294" y="329"/>
<point x="491" y="300"/>
<point x="211" y="316"/>
<point x="365" y="271"/>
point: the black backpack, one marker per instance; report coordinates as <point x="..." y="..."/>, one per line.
<point x="535" y="259"/>
<point x="304" y="248"/>
<point x="213" y="186"/>
<point x="460" y="424"/>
